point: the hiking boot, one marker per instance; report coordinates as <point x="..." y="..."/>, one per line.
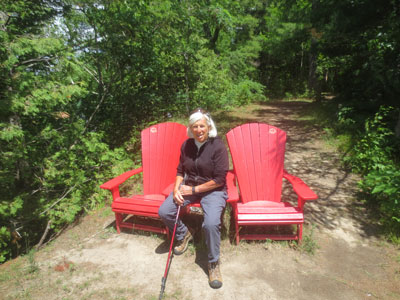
<point x="214" y="275"/>
<point x="182" y="245"/>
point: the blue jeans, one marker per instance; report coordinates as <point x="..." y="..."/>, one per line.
<point x="213" y="204"/>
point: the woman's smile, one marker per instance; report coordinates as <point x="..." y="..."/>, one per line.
<point x="200" y="130"/>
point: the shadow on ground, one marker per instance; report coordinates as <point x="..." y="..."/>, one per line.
<point x="309" y="158"/>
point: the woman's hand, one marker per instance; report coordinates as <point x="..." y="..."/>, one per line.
<point x="181" y="190"/>
<point x="178" y="198"/>
<point x="186" y="190"/>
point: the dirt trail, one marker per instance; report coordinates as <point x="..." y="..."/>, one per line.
<point x="92" y="261"/>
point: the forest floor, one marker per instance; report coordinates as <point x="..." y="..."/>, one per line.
<point x="342" y="257"/>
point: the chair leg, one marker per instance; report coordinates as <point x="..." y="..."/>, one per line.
<point x="300" y="233"/>
<point x="235" y="219"/>
<point x="237" y="232"/>
<point x="118" y="220"/>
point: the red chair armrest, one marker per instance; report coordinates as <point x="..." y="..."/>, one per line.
<point x="115" y="182"/>
<point x="301" y="189"/>
<point x="233" y="195"/>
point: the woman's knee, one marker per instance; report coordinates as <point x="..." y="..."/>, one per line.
<point x="163" y="210"/>
<point x="211" y="224"/>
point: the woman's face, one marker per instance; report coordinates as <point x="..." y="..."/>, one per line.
<point x="200" y="130"/>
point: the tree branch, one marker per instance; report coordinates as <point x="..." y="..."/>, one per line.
<point x="46" y="231"/>
<point x="35" y="60"/>
<point x="103" y="97"/>
<point x="58" y="200"/>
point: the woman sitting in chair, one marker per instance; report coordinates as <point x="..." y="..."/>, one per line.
<point x="201" y="174"/>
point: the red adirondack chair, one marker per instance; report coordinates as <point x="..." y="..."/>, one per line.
<point x="258" y="152"/>
<point x="161" y="145"/>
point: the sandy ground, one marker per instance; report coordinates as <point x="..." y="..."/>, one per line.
<point x="351" y="261"/>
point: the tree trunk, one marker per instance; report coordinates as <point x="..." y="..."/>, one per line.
<point x="313" y="84"/>
<point x="397" y="130"/>
<point x="187" y="88"/>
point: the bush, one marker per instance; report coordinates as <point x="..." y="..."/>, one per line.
<point x="5" y="240"/>
<point x="378" y="145"/>
<point x="383" y="185"/>
<point x="216" y="86"/>
<point x="67" y="186"/>
<point x="375" y="156"/>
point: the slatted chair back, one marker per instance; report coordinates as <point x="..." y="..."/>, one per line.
<point x="258" y="152"/>
<point x="161" y="145"/>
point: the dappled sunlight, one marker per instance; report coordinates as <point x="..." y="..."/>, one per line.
<point x="318" y="164"/>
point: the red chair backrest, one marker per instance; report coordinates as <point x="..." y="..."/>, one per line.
<point x="258" y="152"/>
<point x="161" y="144"/>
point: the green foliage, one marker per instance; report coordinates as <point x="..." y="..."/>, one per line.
<point x="355" y="49"/>
<point x="247" y="91"/>
<point x="77" y="178"/>
<point x="76" y="91"/>
<point x="5" y="241"/>
<point x="51" y="161"/>
<point x="284" y="58"/>
<point x="375" y="155"/>
<point x="378" y="145"/>
<point x="213" y="83"/>
<point x="383" y="190"/>
<point x="384" y="186"/>
<point x="360" y="49"/>
<point x="77" y="94"/>
<point x="216" y="88"/>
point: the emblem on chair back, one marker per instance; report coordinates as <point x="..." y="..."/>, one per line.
<point x="258" y="152"/>
<point x="161" y="145"/>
